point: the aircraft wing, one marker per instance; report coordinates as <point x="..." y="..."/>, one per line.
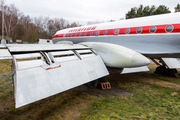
<point x="40" y="71"/>
<point x="43" y="70"/>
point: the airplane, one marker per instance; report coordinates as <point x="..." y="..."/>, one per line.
<point x="82" y="54"/>
<point x="152" y="36"/>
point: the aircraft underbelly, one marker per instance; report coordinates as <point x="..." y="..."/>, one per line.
<point x="164" y="45"/>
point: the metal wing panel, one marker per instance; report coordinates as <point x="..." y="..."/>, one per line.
<point x="4" y="54"/>
<point x="65" y="59"/>
<point x="35" y="80"/>
<point x="32" y="85"/>
<point x="171" y="62"/>
<point x="40" y="71"/>
<point x="42" y="47"/>
<point x="136" y="69"/>
<point x="2" y="46"/>
<point x="87" y="55"/>
<point x="26" y="56"/>
<point x="83" y="51"/>
<point x="29" y="64"/>
<point x="62" y="53"/>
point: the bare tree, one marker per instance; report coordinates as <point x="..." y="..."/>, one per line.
<point x="50" y="28"/>
<point x="20" y="26"/>
<point x="74" y="24"/>
<point x="41" y="24"/>
<point x="11" y="19"/>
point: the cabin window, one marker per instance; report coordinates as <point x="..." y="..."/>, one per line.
<point x="75" y="34"/>
<point x="67" y="35"/>
<point x="116" y="31"/>
<point x="153" y="29"/>
<point x="71" y="34"/>
<point x="64" y="35"/>
<point x="80" y="34"/>
<point x="127" y="31"/>
<point x="139" y="30"/>
<point x="97" y="33"/>
<point x="105" y="32"/>
<point x="85" y="33"/>
<point x="169" y="28"/>
<point x="91" y="33"/>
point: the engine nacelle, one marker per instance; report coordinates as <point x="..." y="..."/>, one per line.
<point x="118" y="56"/>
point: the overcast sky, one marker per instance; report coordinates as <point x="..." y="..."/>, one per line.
<point x="83" y="11"/>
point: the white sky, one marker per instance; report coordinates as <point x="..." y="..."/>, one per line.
<point x="83" y="11"/>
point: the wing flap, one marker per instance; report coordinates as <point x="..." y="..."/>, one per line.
<point x="136" y="69"/>
<point x="40" y="75"/>
<point x="171" y="62"/>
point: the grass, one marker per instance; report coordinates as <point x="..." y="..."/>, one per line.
<point x="5" y="66"/>
<point x="152" y="67"/>
<point x="169" y="79"/>
<point x="5" y="80"/>
<point x="149" y="100"/>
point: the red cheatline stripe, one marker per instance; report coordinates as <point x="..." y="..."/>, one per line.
<point x="145" y="30"/>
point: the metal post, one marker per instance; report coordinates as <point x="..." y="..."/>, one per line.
<point x="2" y="19"/>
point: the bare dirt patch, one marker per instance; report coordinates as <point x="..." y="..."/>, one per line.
<point x="106" y="93"/>
<point x="160" y="82"/>
<point x="73" y="112"/>
<point x="174" y="94"/>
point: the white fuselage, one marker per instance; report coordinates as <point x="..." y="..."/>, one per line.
<point x="153" y="36"/>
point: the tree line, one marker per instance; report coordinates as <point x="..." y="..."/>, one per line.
<point x="147" y="11"/>
<point x="23" y="27"/>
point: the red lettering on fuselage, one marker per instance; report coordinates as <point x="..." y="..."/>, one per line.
<point x="83" y="29"/>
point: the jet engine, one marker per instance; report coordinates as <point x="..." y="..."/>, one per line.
<point x="117" y="56"/>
